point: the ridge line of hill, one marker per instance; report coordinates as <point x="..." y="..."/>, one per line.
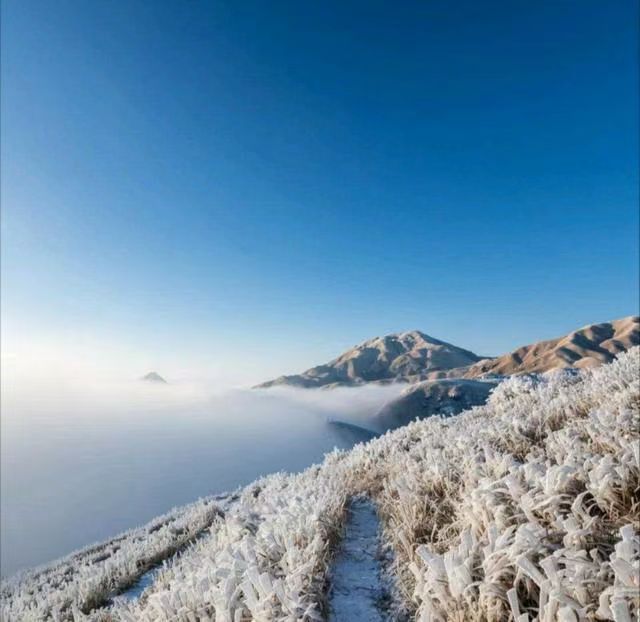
<point x="414" y="356"/>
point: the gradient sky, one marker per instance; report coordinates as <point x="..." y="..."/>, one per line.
<point x="243" y="189"/>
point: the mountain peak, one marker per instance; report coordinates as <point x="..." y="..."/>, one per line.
<point x="153" y="376"/>
<point x="406" y="356"/>
<point x="418" y="335"/>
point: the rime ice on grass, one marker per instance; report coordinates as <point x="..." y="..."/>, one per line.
<point x="523" y="509"/>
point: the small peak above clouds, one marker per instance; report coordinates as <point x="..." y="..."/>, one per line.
<point x="153" y="376"/>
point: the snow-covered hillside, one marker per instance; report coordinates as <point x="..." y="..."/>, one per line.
<point x="405" y="357"/>
<point x="521" y="509"/>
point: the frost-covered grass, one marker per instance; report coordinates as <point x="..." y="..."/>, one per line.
<point x="84" y="580"/>
<point x="526" y="508"/>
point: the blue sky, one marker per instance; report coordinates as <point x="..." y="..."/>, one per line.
<point x="204" y="186"/>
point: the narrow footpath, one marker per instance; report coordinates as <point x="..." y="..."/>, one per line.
<point x="357" y="590"/>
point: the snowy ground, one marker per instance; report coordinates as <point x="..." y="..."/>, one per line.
<point x="357" y="586"/>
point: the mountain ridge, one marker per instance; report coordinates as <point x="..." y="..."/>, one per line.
<point x="588" y="346"/>
<point x="414" y="356"/>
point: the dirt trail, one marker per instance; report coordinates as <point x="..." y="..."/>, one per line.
<point x="357" y="588"/>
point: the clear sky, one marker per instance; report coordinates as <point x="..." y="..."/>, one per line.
<point x="243" y="189"/>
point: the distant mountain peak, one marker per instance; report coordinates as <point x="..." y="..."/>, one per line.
<point x="153" y="376"/>
<point x="406" y="356"/>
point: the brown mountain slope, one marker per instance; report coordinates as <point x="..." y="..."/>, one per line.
<point x="592" y="345"/>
